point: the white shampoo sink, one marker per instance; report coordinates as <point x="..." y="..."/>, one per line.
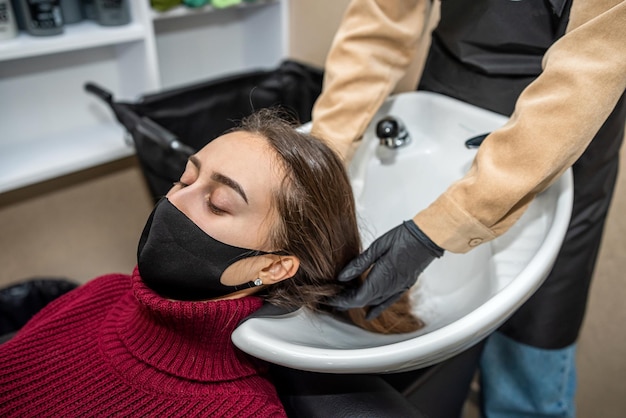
<point x="461" y="298"/>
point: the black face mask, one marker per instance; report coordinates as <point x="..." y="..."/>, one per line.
<point x="178" y="260"/>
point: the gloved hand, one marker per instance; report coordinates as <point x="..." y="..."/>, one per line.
<point x="398" y="258"/>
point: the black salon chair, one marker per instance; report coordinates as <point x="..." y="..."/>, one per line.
<point x="437" y="391"/>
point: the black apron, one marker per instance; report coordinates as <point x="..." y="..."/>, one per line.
<point x="485" y="52"/>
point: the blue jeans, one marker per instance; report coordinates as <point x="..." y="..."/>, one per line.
<point x="521" y="381"/>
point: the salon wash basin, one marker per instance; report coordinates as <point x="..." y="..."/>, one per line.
<point x="461" y="298"/>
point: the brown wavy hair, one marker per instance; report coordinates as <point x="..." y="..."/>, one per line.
<point x="316" y="209"/>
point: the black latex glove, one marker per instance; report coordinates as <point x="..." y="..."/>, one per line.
<point x="398" y="258"/>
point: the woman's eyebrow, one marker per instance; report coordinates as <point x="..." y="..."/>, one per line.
<point x="227" y="181"/>
<point x="195" y="161"/>
<point x="220" y="178"/>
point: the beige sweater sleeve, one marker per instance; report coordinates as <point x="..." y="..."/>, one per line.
<point x="554" y="120"/>
<point x="374" y="46"/>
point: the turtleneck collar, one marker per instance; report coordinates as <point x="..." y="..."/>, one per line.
<point x="188" y="340"/>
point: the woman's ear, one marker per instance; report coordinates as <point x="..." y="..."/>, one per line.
<point x="280" y="268"/>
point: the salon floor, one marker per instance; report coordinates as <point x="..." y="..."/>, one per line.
<point x="86" y="225"/>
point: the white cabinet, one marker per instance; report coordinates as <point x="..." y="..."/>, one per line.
<point x="49" y="126"/>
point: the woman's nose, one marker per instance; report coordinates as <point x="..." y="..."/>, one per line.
<point x="189" y="199"/>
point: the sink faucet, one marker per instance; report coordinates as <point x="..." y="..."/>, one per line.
<point x="392" y="133"/>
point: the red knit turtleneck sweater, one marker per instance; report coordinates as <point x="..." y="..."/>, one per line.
<point x="114" y="347"/>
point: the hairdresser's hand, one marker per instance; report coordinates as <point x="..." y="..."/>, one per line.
<point x="398" y="257"/>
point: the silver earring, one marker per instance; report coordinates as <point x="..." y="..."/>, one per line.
<point x="258" y="282"/>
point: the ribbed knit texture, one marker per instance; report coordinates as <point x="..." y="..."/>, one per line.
<point x="114" y="347"/>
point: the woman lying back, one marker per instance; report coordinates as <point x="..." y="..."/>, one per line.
<point x="262" y="213"/>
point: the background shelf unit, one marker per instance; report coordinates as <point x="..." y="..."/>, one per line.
<point x="49" y="126"/>
<point x="86" y="34"/>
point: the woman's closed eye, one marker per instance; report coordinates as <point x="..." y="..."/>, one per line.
<point x="216" y="210"/>
<point x="180" y="184"/>
<point x="176" y="186"/>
